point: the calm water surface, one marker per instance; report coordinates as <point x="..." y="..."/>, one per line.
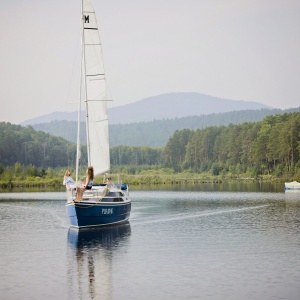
<point x="179" y="244"/>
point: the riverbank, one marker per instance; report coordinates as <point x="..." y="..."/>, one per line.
<point x="146" y="179"/>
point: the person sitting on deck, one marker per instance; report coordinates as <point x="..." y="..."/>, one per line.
<point x="87" y="185"/>
<point x="89" y="178"/>
<point x="68" y="181"/>
<point x="108" y="182"/>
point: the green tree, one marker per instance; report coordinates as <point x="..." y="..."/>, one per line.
<point x="175" y="150"/>
<point x="18" y="169"/>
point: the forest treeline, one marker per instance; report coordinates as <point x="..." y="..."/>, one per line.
<point x="157" y="133"/>
<point x="28" y="146"/>
<point x="269" y="147"/>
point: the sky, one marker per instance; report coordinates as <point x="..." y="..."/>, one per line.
<point x="233" y="49"/>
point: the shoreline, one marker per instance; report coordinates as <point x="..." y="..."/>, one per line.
<point x="141" y="180"/>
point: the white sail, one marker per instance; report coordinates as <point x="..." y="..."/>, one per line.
<point x="95" y="95"/>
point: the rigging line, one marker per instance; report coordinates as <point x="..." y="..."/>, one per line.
<point x="69" y="101"/>
<point x="99" y="121"/>
<point x="72" y="74"/>
<point x="96" y="100"/>
<point x="94" y="75"/>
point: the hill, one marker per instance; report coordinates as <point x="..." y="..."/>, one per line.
<point x="156" y="133"/>
<point x="28" y="146"/>
<point x="165" y="106"/>
<point x="177" y="105"/>
<point x="249" y="150"/>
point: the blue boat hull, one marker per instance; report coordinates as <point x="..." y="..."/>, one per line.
<point x="100" y="214"/>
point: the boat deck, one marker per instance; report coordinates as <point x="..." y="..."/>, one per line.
<point x="98" y="194"/>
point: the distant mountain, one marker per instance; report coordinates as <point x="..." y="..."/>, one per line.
<point x="177" y="105"/>
<point x="165" y="106"/>
<point x="156" y="133"/>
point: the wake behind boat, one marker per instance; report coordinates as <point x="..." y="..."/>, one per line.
<point x="103" y="204"/>
<point x="294" y="185"/>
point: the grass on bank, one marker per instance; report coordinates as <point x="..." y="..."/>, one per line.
<point x="145" y="177"/>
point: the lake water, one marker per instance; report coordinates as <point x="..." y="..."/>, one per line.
<point x="180" y="243"/>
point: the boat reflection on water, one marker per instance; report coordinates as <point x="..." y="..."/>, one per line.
<point x="90" y="259"/>
<point x="105" y="237"/>
<point x="292" y="196"/>
<point x="292" y="203"/>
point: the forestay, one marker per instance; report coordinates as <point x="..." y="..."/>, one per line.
<point x="95" y="92"/>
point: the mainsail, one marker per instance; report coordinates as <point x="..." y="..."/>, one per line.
<point x="95" y="92"/>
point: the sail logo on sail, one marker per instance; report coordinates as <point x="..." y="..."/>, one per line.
<point x="86" y="19"/>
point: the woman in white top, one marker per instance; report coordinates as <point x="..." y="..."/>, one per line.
<point x="68" y="180"/>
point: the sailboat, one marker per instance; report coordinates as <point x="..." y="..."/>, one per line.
<point x="294" y="185"/>
<point x="103" y="204"/>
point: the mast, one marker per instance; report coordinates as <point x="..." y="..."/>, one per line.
<point x="85" y="90"/>
<point x="78" y="151"/>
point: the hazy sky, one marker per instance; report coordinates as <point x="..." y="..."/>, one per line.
<point x="234" y="49"/>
